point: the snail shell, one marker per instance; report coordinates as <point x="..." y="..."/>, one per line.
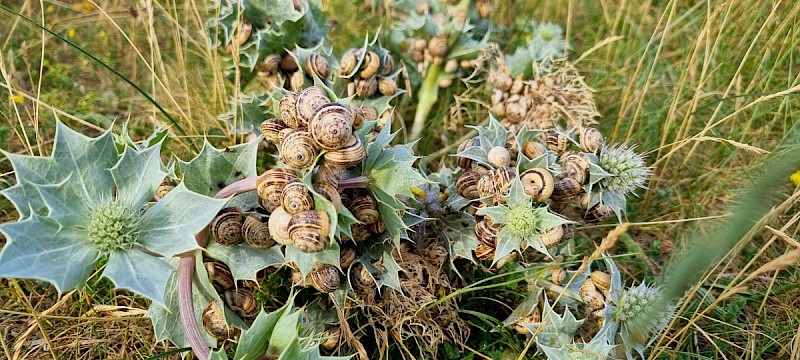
<point x="419" y="44"/>
<point x="309" y="230"/>
<point x="533" y="149"/>
<point x="484" y="252"/>
<point x="386" y="86"/>
<point x="558" y="275"/>
<point x="271" y="129"/>
<point x="502" y="179"/>
<point x="308" y="102"/>
<point x="369" y="112"/>
<point x="243" y="32"/>
<point x="317" y="65"/>
<point x="377" y="227"/>
<point x="591" y="139"/>
<point x="538" y="183"/>
<point x="349" y="62"/>
<point x="226" y="228"/>
<point x="243" y="302"/>
<point x="288" y="107"/>
<point x="486" y="186"/>
<point x="501" y="80"/>
<point x="534" y="317"/>
<point x="279" y="226"/>
<point x="499" y="156"/>
<point x="219" y="275"/>
<point x="346" y="257"/>
<point x="348" y="156"/>
<point x="288" y="63"/>
<point x="451" y="66"/>
<point x="370" y="65"/>
<point x="214" y="322"/>
<point x="576" y="166"/>
<point x="590" y="296"/>
<point x="515" y="111"/>
<point x="270" y="63"/>
<point x="360" y="232"/>
<point x="517" y="85"/>
<point x="387" y="64"/>
<point x="557" y="142"/>
<point x="269" y="186"/>
<point x="164" y="189"/>
<point x="298" y="149"/>
<point x="365" y="209"/>
<point x="325" y="278"/>
<point x="256" y="232"/>
<point x="601" y="280"/>
<point x="366" y="87"/>
<point x="486" y="232"/>
<point x="467" y="184"/>
<point x="552" y="236"/>
<point x="296" y="197"/>
<point x="437" y="46"/>
<point x="566" y="188"/>
<point x="597" y="213"/>
<point x="466" y="163"/>
<point x="361" y="279"/>
<point x="330" y="338"/>
<point x="297" y="81"/>
<point x="331" y="126"/>
<point x="358" y="119"/>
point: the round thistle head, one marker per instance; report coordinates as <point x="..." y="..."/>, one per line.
<point x="627" y="168"/>
<point x="548" y="41"/>
<point x="113" y="227"/>
<point x="522" y="221"/>
<point x="639" y="311"/>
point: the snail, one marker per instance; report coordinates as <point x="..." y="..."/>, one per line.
<point x="226" y="228"/>
<point x="533" y="149"/>
<point x="359" y="118"/>
<point x="516" y="108"/>
<point x="451" y="66"/>
<point x="370" y="65"/>
<point x="288" y="63"/>
<point x="317" y="65"/>
<point x="360" y="232"/>
<point x="365" y="209"/>
<point x="309" y="230"/>
<point x="349" y="155"/>
<point x="502" y="179"/>
<point x="369" y="112"/>
<point x="387" y="86"/>
<point x="361" y="279"/>
<point x="350" y="61"/>
<point x="270" y="64"/>
<point x="516" y="85"/>
<point x="331" y="126"/>
<point x="486" y="233"/>
<point x="219" y="275"/>
<point x="467" y="184"/>
<point x="597" y="213"/>
<point x="297" y="81"/>
<point x="501" y="80"/>
<point x="591" y="140"/>
<point x="590" y="296"/>
<point x="269" y="186"/>
<point x="298" y="149"/>
<point x="308" y="102"/>
<point x="552" y="236"/>
<point x="164" y="188"/>
<point x="288" y="108"/>
<point x="331" y="193"/>
<point x="387" y="64"/>
<point x="558" y="275"/>
<point x="534" y="317"/>
<point x="557" y="142"/>
<point x="438" y="46"/>
<point x="486" y="187"/>
<point x="296" y="197"/>
<point x="324" y="278"/>
<point x="271" y="129"/>
<point x="484" y="252"/>
<point x="243" y="302"/>
<point x="365" y="88"/>
<point x="576" y="166"/>
<point x="214" y="322"/>
<point x="279" y="226"/>
<point x="601" y="280"/>
<point x="346" y="257"/>
<point x="330" y="338"/>
<point x="566" y="188"/>
<point x="464" y="162"/>
<point x="538" y="183"/>
<point x="377" y="227"/>
<point x="243" y="32"/>
<point x="256" y="232"/>
<point x="499" y="156"/>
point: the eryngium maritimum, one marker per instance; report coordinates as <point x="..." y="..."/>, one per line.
<point x="627" y="168"/>
<point x="637" y="311"/>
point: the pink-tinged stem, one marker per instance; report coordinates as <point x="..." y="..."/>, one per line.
<point x="186" y="274"/>
<point x="358" y="182"/>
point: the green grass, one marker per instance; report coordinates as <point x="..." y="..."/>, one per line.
<point x="704" y="88"/>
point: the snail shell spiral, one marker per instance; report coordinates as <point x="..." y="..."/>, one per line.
<point x="243" y="302"/>
<point x="256" y="232"/>
<point x="346" y="257"/>
<point x="538" y="183"/>
<point x="566" y="188"/>
<point x="387" y="86"/>
<point x="317" y="65"/>
<point x="387" y="64"/>
<point x="557" y="142"/>
<point x="552" y="236"/>
<point x="467" y="184"/>
<point x="437" y="46"/>
<point x="288" y="107"/>
<point x="308" y="102"/>
<point x="296" y="197"/>
<point x="269" y="186"/>
<point x="226" y="228"/>
<point x="365" y="209"/>
<point x="325" y="278"/>
<point x="271" y="129"/>
<point x="298" y="149"/>
<point x="350" y="61"/>
<point x="576" y="166"/>
<point x="270" y="63"/>
<point x="219" y="275"/>
<point x="486" y="233"/>
<point x="331" y="126"/>
<point x="591" y="139"/>
<point x="348" y="156"/>
<point x="370" y="65"/>
<point x="309" y="230"/>
<point x="366" y="87"/>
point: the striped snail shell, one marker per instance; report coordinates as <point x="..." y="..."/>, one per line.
<point x="256" y="232"/>
<point x="552" y="236"/>
<point x="288" y="107"/>
<point x="226" y="228"/>
<point x="377" y="227"/>
<point x="576" y="166"/>
<point x="499" y="156"/>
<point x="269" y="186"/>
<point x="324" y="278"/>
<point x="308" y="102"/>
<point x="270" y="63"/>
<point x="486" y="232"/>
<point x="298" y="149"/>
<point x="534" y="317"/>
<point x="591" y="139"/>
<point x="358" y="119"/>
<point x="346" y="257"/>
<point x="538" y="183"/>
<point x="214" y="322"/>
<point x="466" y="163"/>
<point x="601" y="280"/>
<point x="348" y="156"/>
<point x="533" y="149"/>
<point x="590" y="296"/>
<point x="516" y="109"/>
<point x="370" y="112"/>
<point x="309" y="230"/>
<point x="365" y="209"/>
<point x="331" y="193"/>
<point x="271" y="129"/>
<point x="350" y="61"/>
<point x="360" y="232"/>
<point x="387" y="64"/>
<point x="484" y="252"/>
<point x="597" y="213"/>
<point x="330" y="338"/>
<point x="501" y="180"/>
<point x="297" y="81"/>
<point x="243" y="302"/>
<point x="296" y="197"/>
<point x="557" y="142"/>
<point x="370" y="65"/>
<point x="437" y="46"/>
<point x="467" y="184"/>
<point x="566" y="188"/>
<point x="558" y="275"/>
<point x="501" y="80"/>
<point x="243" y="32"/>
<point x="387" y="86"/>
<point x="164" y="188"/>
<point x="317" y="65"/>
<point x="219" y="275"/>
<point x="361" y="279"/>
<point x="331" y="126"/>
<point x="288" y="63"/>
<point x="279" y="226"/>
<point x="366" y="87"/>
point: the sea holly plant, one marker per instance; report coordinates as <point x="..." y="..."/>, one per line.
<point x="615" y="172"/>
<point x="90" y="200"/>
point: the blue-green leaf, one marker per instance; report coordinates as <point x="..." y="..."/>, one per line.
<point x="137" y="175"/>
<point x="141" y="273"/>
<point x="244" y="260"/>
<point x="213" y="168"/>
<point x="251" y="344"/>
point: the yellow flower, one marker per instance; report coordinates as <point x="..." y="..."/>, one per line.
<point x="71" y="33"/>
<point x="795" y="178"/>
<point x="17" y="99"/>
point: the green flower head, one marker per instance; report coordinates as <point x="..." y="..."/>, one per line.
<point x="87" y="201"/>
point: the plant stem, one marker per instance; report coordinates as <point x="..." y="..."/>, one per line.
<point x="358" y="182"/>
<point x="186" y="274"/>
<point x="428" y="94"/>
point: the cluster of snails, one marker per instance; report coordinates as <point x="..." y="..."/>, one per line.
<point x="517" y="101"/>
<point x="238" y="296"/>
<point x="283" y="70"/>
<point x="368" y="73"/>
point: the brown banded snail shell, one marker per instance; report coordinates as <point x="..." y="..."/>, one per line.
<point x="438" y="46"/>
<point x="501" y="80"/>
<point x="359" y="118"/>
<point x="365" y="209"/>
<point x="243" y="302"/>
<point x="325" y="278"/>
<point x="219" y="275"/>
<point x="387" y="64"/>
<point x="360" y="232"/>
<point x="288" y="63"/>
<point x="298" y="149"/>
<point x="164" y="189"/>
<point x="486" y="187"/>
<point x="256" y="232"/>
<point x="331" y="193"/>
<point x="534" y="317"/>
<point x="377" y="227"/>
<point x="297" y="81"/>
<point x="557" y="142"/>
<point x="350" y="61"/>
<point x="279" y="226"/>
<point x="361" y="279"/>
<point x="552" y="236"/>
<point x="590" y="296"/>
<point x="365" y="88"/>
<point x="486" y="232"/>
<point x="214" y="322"/>
<point x="271" y="129"/>
<point x="463" y="162"/>
<point x="566" y="188"/>
<point x="597" y="213"/>
<point x="601" y="280"/>
<point x="467" y="184"/>
<point x="499" y="156"/>
<point x="346" y="257"/>
<point x="538" y="183"/>
<point x="308" y="102"/>
<point x="226" y="228"/>
<point x="309" y="230"/>
<point x="288" y="107"/>
<point x="387" y="86"/>
<point x="317" y="65"/>
<point x="270" y="63"/>
<point x="558" y="275"/>
<point x="331" y="126"/>
<point x="330" y="338"/>
<point x="591" y="139"/>
<point x="576" y="166"/>
<point x="296" y="197"/>
<point x="348" y="156"/>
<point x="502" y="179"/>
<point x="270" y="186"/>
<point x="533" y="149"/>
<point x="370" y="65"/>
<point x="484" y="252"/>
